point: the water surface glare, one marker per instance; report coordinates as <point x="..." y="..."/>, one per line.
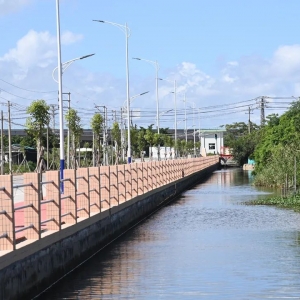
<point x="205" y="245"/>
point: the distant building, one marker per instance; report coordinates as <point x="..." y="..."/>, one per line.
<point x="18" y="154"/>
<point x="212" y="141"/>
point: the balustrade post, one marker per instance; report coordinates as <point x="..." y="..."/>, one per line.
<point x="105" y="187"/>
<point x="83" y="193"/>
<point x="128" y="181"/>
<point x="69" y="198"/>
<point x="32" y="215"/>
<point x="114" y="191"/>
<point x="53" y="209"/>
<point x="95" y="188"/>
<point x="7" y="216"/>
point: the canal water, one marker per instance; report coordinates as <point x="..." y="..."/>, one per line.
<point x="208" y="244"/>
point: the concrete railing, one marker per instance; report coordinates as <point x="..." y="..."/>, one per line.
<point x="87" y="191"/>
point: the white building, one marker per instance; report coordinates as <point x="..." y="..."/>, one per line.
<point x="212" y="141"/>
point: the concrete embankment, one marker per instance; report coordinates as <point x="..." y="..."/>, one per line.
<point x="28" y="270"/>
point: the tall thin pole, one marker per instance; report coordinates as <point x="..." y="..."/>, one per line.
<point x="2" y="145"/>
<point x="262" y="112"/>
<point x="199" y="131"/>
<point x="9" y="138"/>
<point x="194" y="125"/>
<point x="157" y="109"/>
<point x="69" y="139"/>
<point x="249" y="120"/>
<point x="61" y="117"/>
<point x="128" y="100"/>
<point x="185" y="118"/>
<point x="47" y="146"/>
<point x="175" y="110"/>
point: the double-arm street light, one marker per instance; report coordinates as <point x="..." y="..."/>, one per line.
<point x="156" y="65"/>
<point x="61" y="67"/>
<point x="66" y="64"/>
<point x="175" y="113"/>
<point x="125" y="29"/>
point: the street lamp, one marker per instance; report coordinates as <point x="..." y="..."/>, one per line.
<point x="60" y="69"/>
<point x="66" y="64"/>
<point x="135" y="96"/>
<point x="125" y="29"/>
<point x="128" y="112"/>
<point x="175" y="113"/>
<point x="156" y="65"/>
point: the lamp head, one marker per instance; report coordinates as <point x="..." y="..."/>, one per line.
<point x="85" y="56"/>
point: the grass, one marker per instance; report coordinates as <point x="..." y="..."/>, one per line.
<point x="289" y="202"/>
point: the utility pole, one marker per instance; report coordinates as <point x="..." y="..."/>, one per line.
<point x="2" y="145"/>
<point x="105" y="156"/>
<point x="249" y="121"/>
<point x="262" y="111"/>
<point x="9" y="137"/>
<point x="185" y="118"/>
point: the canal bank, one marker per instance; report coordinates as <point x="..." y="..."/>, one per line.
<point x="206" y="244"/>
<point x="28" y="270"/>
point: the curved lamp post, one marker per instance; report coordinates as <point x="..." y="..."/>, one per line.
<point x="125" y="29"/>
<point x="175" y="113"/>
<point x="66" y="64"/>
<point x="156" y="65"/>
<point x="60" y="93"/>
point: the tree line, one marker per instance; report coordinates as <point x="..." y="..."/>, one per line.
<point x="105" y="149"/>
<point x="275" y="147"/>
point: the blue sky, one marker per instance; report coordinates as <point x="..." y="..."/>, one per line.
<point x="222" y="53"/>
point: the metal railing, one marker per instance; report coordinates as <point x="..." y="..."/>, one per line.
<point x="87" y="191"/>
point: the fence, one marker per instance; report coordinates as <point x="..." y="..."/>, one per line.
<point x="87" y="191"/>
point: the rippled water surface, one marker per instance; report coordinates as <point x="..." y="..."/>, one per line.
<point x="205" y="245"/>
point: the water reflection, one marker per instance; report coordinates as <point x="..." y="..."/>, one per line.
<point x="205" y="245"/>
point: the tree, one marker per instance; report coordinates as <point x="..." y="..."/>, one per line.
<point x="134" y="139"/>
<point x="142" y="143"/>
<point x="37" y="122"/>
<point x="97" y="127"/>
<point x="241" y="143"/>
<point x="74" y="125"/>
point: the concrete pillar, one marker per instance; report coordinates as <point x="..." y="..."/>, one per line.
<point x="134" y="174"/>
<point x="69" y="198"/>
<point x="83" y="193"/>
<point x="114" y="191"/>
<point x="32" y="215"/>
<point x="95" y="187"/>
<point x="145" y="177"/>
<point x="140" y="179"/>
<point x="128" y="181"/>
<point x="105" y="187"/>
<point x="7" y="218"/>
<point x="150" y="172"/>
<point x="53" y="209"/>
<point x="121" y="183"/>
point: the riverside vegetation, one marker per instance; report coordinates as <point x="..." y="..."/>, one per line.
<point x="275" y="147"/>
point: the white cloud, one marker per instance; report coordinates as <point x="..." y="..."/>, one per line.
<point x="69" y="37"/>
<point x="9" y="6"/>
<point x="35" y="48"/>
<point x="31" y="62"/>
